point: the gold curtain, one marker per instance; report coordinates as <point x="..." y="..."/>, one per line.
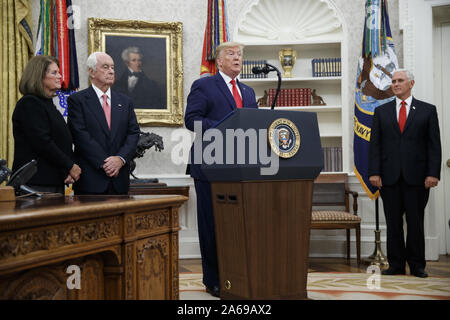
<point x="16" y="50"/>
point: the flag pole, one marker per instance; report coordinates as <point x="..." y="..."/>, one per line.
<point x="377" y="43"/>
<point x="377" y="258"/>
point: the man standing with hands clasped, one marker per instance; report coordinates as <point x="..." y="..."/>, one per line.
<point x="405" y="162"/>
<point x="104" y="129"/>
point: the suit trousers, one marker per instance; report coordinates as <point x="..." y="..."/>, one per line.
<point x="206" y="233"/>
<point x="398" y="199"/>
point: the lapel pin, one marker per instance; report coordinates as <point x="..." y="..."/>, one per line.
<point x="119" y="105"/>
<point x="414" y="108"/>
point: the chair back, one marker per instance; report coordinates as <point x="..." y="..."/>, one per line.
<point x="329" y="190"/>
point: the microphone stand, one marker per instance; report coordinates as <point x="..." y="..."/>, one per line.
<point x="272" y="68"/>
<point x="266" y="69"/>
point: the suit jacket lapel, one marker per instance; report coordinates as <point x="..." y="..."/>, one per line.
<point x="393" y="116"/>
<point x="225" y="90"/>
<point x="97" y="109"/>
<point x="411" y="114"/>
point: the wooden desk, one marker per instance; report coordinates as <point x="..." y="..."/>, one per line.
<point x="148" y="188"/>
<point x="125" y="246"/>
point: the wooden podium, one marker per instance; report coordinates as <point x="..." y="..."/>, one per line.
<point x="263" y="238"/>
<point x="262" y="222"/>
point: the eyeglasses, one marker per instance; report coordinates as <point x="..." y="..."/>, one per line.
<point x="53" y="73"/>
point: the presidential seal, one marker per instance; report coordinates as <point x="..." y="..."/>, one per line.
<point x="284" y="138"/>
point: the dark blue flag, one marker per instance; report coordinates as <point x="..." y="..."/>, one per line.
<point x="376" y="65"/>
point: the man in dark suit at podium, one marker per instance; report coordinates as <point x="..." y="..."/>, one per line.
<point x="405" y="162"/>
<point x="210" y="100"/>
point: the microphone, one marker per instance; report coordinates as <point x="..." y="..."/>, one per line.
<point x="21" y="176"/>
<point x="266" y="69"/>
<point x="258" y="70"/>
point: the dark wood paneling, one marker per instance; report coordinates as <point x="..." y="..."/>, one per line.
<point x="151" y="189"/>
<point x="231" y="237"/>
<point x="263" y="237"/>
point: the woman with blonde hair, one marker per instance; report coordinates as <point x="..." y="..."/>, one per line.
<point x="39" y="129"/>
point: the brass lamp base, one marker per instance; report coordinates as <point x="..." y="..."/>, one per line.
<point x="377" y="258"/>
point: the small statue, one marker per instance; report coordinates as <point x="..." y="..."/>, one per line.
<point x="262" y="102"/>
<point x="317" y="100"/>
<point x="4" y="171"/>
<point x="146" y="141"/>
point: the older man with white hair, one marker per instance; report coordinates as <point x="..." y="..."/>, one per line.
<point x="405" y="162"/>
<point x="104" y="129"/>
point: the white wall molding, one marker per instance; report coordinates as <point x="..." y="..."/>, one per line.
<point x="287" y="20"/>
<point x="437" y="3"/>
<point x="417" y="23"/>
<point x="403" y="13"/>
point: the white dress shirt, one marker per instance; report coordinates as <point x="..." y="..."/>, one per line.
<point x="399" y="105"/>
<point x="132" y="81"/>
<point x="230" y="86"/>
<point x="100" y="94"/>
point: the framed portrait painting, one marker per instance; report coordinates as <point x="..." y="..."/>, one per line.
<point x="148" y="65"/>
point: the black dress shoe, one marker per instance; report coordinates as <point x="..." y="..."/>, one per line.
<point x="214" y="291"/>
<point x="420" y="273"/>
<point x="393" y="271"/>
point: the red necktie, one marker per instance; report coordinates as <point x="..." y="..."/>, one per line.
<point x="107" y="110"/>
<point x="236" y="96"/>
<point x="402" y="116"/>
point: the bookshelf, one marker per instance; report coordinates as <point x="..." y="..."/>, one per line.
<point x="329" y="88"/>
<point x="296" y="79"/>
<point x="326" y="41"/>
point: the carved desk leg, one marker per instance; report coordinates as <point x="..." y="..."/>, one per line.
<point x="114" y="274"/>
<point x="130" y="276"/>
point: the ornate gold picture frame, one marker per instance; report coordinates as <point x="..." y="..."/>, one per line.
<point x="158" y="90"/>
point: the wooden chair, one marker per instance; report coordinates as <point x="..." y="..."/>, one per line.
<point x="331" y="190"/>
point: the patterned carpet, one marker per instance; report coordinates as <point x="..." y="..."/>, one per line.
<point x="345" y="286"/>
